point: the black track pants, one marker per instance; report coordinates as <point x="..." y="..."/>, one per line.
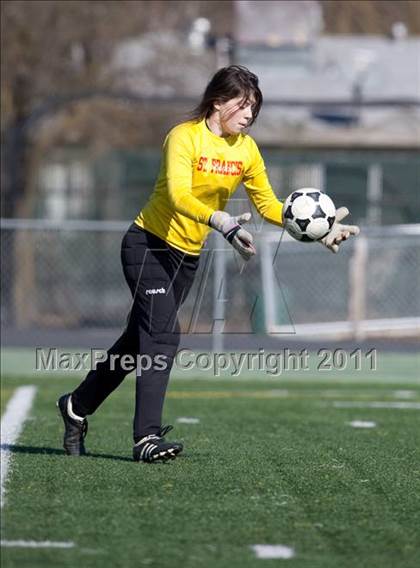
<point x="159" y="278"/>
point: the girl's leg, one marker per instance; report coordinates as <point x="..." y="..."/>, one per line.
<point x="108" y="375"/>
<point x="159" y="336"/>
<point x="158" y="347"/>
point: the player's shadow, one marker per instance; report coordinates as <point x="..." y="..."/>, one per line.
<point x="56" y="452"/>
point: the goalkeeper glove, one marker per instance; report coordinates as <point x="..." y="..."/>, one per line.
<point x="231" y="229"/>
<point x="339" y="232"/>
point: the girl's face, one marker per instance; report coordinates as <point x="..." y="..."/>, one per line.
<point x="234" y="115"/>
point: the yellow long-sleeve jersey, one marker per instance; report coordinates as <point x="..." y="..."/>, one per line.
<point x="199" y="173"/>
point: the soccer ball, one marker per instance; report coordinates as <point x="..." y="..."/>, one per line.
<point x="308" y="214"/>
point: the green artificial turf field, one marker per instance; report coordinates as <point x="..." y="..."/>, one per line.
<point x="271" y="461"/>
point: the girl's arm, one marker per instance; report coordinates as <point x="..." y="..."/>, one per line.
<point x="263" y="197"/>
<point x="178" y="155"/>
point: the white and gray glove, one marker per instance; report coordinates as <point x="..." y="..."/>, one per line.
<point x="339" y="232"/>
<point x="231" y="229"/>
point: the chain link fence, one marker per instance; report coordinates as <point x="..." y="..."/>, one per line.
<point x="372" y="287"/>
<point x="68" y="276"/>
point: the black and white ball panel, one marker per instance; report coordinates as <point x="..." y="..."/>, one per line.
<point x="308" y="214"/>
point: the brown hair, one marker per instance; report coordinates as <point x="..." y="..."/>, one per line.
<point x="229" y="83"/>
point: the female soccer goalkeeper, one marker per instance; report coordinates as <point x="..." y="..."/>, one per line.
<point x="204" y="161"/>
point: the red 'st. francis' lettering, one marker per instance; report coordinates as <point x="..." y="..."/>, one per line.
<point x="225" y="167"/>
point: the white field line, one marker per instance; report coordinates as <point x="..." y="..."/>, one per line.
<point x="362" y="424"/>
<point x="187" y="420"/>
<point x="273" y="551"/>
<point x="404" y="394"/>
<point x="12" y="422"/>
<point x="36" y="544"/>
<point x="377" y="404"/>
<point x="16" y="413"/>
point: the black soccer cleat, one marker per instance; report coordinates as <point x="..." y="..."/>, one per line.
<point x="75" y="430"/>
<point x="154" y="448"/>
